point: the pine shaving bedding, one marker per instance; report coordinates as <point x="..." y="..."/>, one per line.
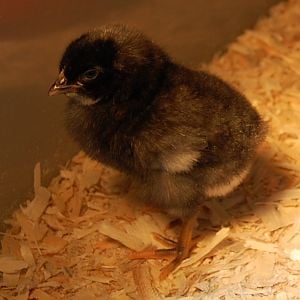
<point x="74" y="240"/>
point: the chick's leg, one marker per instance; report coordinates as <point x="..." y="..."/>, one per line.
<point x="184" y="244"/>
<point x="179" y="253"/>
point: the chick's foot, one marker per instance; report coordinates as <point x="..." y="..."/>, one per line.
<point x="176" y="254"/>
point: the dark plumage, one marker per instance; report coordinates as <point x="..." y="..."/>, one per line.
<point x="181" y="135"/>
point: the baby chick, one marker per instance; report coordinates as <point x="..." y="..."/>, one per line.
<point x="181" y="135"/>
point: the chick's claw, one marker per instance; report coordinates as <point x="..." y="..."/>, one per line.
<point x="169" y="268"/>
<point x="173" y="254"/>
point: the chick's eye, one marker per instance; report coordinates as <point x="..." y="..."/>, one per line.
<point x="90" y="74"/>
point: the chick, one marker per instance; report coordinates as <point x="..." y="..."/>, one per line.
<point x="181" y="135"/>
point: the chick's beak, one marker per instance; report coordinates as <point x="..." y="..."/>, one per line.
<point x="61" y="86"/>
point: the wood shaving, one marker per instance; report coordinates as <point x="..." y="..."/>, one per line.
<point x="41" y="295"/>
<point x="204" y="247"/>
<point x="124" y="238"/>
<point x="75" y="238"/>
<point x="9" y="264"/>
<point x="143" y="281"/>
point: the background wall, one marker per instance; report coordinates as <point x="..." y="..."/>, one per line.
<point x="33" y="35"/>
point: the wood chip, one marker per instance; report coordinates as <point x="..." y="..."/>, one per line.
<point x="124" y="238"/>
<point x="262" y="246"/>
<point x="37" y="177"/>
<point x="10" y="264"/>
<point x="143" y="281"/>
<point x="38" y="205"/>
<point x="41" y="295"/>
<point x="206" y="246"/>
<point x="11" y="279"/>
<point x="27" y="254"/>
<point x="99" y="279"/>
<point x="53" y="244"/>
<point x="33" y="230"/>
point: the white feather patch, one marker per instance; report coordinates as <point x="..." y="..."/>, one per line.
<point x="223" y="189"/>
<point x="180" y="161"/>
